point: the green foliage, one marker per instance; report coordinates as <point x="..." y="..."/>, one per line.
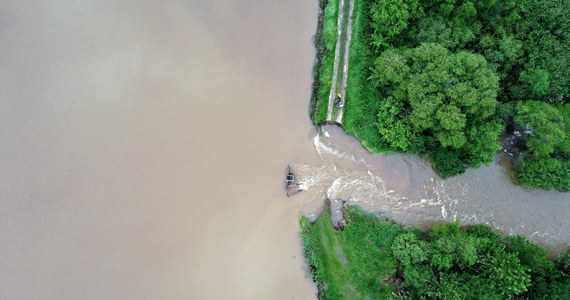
<point x="448" y="163"/>
<point x="564" y="145"/>
<point x="394" y="130"/>
<point x="546" y="31"/>
<point x="530" y="254"/>
<point x="325" y="41"/>
<point x="437" y="96"/>
<point x="353" y="263"/>
<point x="325" y="267"/>
<point x="545" y="173"/>
<point x="546" y="164"/>
<point x="426" y="77"/>
<point x="390" y="17"/>
<point x="370" y="256"/>
<point x="512" y="276"/>
<point x="546" y="124"/>
<point x="537" y="80"/>
<point x="564" y="263"/>
<point x="445" y="229"/>
<point x="462" y="266"/>
<point x="361" y="106"/>
<point x="409" y="249"/>
<point x="484" y="142"/>
<point x="547" y="280"/>
<point x="367" y="243"/>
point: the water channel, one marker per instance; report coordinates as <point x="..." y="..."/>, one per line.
<point x="143" y="149"/>
<point x="405" y="188"/>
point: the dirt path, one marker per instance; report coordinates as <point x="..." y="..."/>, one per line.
<point x="340" y="111"/>
<point x="341" y="57"/>
<point x="336" y="60"/>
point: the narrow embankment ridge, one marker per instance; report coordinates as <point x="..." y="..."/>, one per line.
<point x="340" y="75"/>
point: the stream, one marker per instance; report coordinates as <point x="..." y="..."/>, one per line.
<point x="406" y="189"/>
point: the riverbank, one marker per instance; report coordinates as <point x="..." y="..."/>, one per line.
<point x="378" y="259"/>
<point x="338" y="261"/>
<point x="325" y="44"/>
<point x="454" y="124"/>
<point x="331" y="66"/>
<point x="359" y="114"/>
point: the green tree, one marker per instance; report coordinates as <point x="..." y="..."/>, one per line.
<point x="452" y="263"/>
<point x="537" y="80"/>
<point x="390" y="17"/>
<point x="564" y="145"/>
<point x="450" y="97"/>
<point x="546" y="161"/>
<point x="482" y="149"/>
<point x="564" y="262"/>
<point x="530" y="254"/>
<point x="546" y="29"/>
<point x="395" y="131"/>
<point x="545" y="173"/>
<point x="544" y="125"/>
<point x="510" y="276"/>
<point x="409" y="248"/>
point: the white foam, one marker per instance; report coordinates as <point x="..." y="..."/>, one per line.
<point x="322" y="148"/>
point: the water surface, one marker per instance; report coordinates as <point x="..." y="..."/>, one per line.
<point x="405" y="188"/>
<point x="143" y="148"/>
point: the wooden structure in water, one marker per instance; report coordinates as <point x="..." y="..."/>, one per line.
<point x="291" y="185"/>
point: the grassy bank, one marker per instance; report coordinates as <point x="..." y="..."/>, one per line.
<point x="426" y="77"/>
<point x="378" y="259"/>
<point x="353" y="263"/>
<point x="361" y="108"/>
<point x="325" y="43"/>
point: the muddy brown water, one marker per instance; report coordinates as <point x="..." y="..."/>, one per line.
<point x="405" y="188"/>
<point x="144" y="144"/>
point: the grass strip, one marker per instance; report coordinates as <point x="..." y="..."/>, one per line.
<point x="362" y="100"/>
<point x="325" y="43"/>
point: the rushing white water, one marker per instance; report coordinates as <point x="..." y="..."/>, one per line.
<point x="406" y="188"/>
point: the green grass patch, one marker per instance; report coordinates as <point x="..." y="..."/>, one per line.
<point x="355" y="263"/>
<point x="325" y="42"/>
<point x="362" y="100"/>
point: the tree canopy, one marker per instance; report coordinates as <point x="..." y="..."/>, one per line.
<point x="430" y="74"/>
<point x="546" y="161"/>
<point x="430" y="92"/>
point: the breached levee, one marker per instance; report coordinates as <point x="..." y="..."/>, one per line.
<point x="406" y="189"/>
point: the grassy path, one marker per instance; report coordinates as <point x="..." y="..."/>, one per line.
<point x="346" y="60"/>
<point x="340" y="69"/>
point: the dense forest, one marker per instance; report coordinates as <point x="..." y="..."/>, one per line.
<point x="457" y="80"/>
<point x="378" y="259"/>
